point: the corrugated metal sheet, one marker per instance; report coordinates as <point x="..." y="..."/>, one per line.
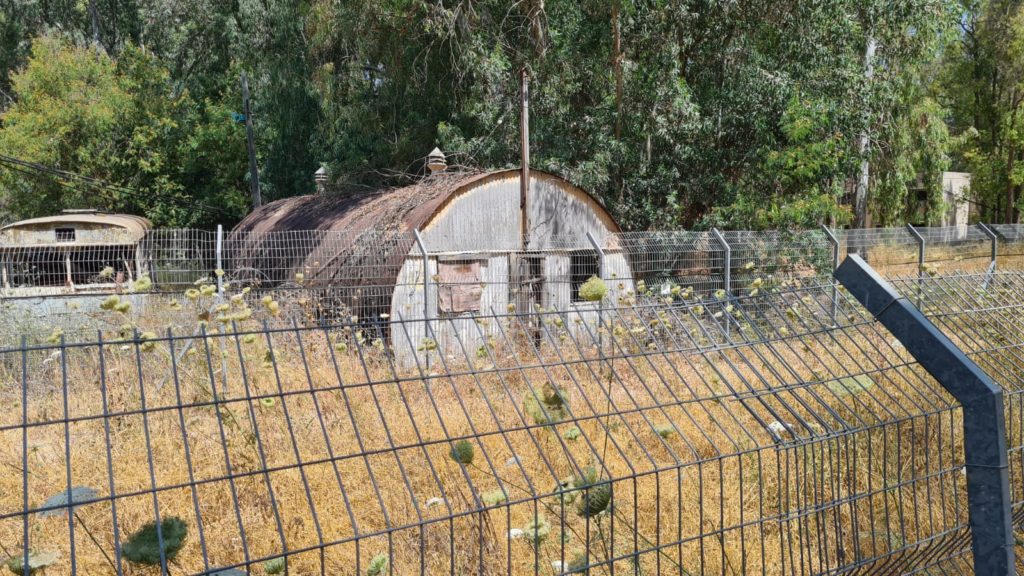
<point x="456" y="211"/>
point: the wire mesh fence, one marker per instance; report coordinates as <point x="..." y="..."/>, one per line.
<point x="984" y="315"/>
<point x="777" y="433"/>
<point x="373" y="275"/>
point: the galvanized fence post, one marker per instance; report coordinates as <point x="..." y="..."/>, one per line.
<point x="834" y="241"/>
<point x="981" y="400"/>
<point x="920" y="258"/>
<point x="994" y="238"/>
<point x="727" y="266"/>
<point x="601" y="271"/>
<point x="726" y="271"/>
<point x="220" y="265"/>
<point x="426" y="287"/>
<point x="920" y="247"/>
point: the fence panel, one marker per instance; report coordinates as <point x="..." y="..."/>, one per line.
<point x="751" y="435"/>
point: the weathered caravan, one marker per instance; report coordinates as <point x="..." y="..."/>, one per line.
<point x="441" y="250"/>
<point x="72" y="252"/>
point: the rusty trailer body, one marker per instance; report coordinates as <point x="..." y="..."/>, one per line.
<point x="72" y="252"/>
<point x="368" y="262"/>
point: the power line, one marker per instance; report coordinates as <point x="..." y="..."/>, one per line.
<point x="66" y="178"/>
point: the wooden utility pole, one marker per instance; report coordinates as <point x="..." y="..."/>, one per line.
<point x="254" y="175"/>
<point x="524" y="146"/>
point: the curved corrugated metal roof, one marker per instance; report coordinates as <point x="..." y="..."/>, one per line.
<point x="136" y="226"/>
<point x="363" y="239"/>
<point x="395" y="209"/>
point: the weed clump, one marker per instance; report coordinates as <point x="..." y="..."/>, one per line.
<point x="143" y="547"/>
<point x="593" y="290"/>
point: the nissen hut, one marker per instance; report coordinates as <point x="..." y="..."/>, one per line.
<point x="488" y="250"/>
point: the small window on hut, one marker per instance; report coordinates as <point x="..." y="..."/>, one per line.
<point x="64" y="234"/>
<point x="458" y="287"/>
<point x="582" y="265"/>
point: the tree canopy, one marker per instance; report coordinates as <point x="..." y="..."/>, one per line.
<point x="742" y="113"/>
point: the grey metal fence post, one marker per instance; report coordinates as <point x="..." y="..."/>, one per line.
<point x="834" y="241"/>
<point x="920" y="258"/>
<point x="727" y="267"/>
<point x="727" y="272"/>
<point x="985" y="451"/>
<point x="426" y="287"/>
<point x="220" y="265"/>
<point x="994" y="238"/>
<point x="602" y="273"/>
<point x="920" y="247"/>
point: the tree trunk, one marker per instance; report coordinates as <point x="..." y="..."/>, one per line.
<point x="1011" y="158"/>
<point x="617" y="67"/>
<point x="860" y="206"/>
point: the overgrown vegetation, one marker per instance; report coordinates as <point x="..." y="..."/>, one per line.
<point x="742" y="114"/>
<point x="618" y="433"/>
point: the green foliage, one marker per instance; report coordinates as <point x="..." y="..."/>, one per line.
<point x="494" y="497"/>
<point x="275" y="565"/>
<point x="711" y="113"/>
<point x="119" y="120"/>
<point x="378" y="565"/>
<point x="572" y="433"/>
<point x="596" y="498"/>
<point x="143" y="547"/>
<point x="537" y="530"/>
<point x="547" y="407"/>
<point x="462" y="452"/>
<point x="593" y="290"/>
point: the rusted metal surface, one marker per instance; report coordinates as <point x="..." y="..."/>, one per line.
<point x="367" y="237"/>
<point x="458" y="286"/>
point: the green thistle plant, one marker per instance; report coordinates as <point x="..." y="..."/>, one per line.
<point x="462" y="452"/>
<point x="378" y="565"/>
<point x="493" y="497"/>
<point x="275" y="565"/>
<point x="143" y="284"/>
<point x="143" y="547"/>
<point x="537" y="530"/>
<point x="595" y="498"/>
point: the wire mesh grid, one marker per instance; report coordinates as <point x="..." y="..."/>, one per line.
<point x="773" y="434"/>
<point x="778" y="257"/>
<point x="984" y="315"/>
<point x="673" y="258"/>
<point x="961" y="248"/>
<point x="1010" y="244"/>
<point x="890" y="249"/>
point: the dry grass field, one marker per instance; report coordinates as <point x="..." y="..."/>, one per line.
<point x="781" y="446"/>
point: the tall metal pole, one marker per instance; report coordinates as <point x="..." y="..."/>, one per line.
<point x="524" y="146"/>
<point x="426" y="288"/>
<point x="254" y="175"/>
<point x="220" y="262"/>
<point x="981" y="399"/>
<point x="834" y="242"/>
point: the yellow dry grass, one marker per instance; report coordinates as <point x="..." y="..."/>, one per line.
<point x="698" y="480"/>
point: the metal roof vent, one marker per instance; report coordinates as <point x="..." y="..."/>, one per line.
<point x="320" y="177"/>
<point x="436" y="161"/>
